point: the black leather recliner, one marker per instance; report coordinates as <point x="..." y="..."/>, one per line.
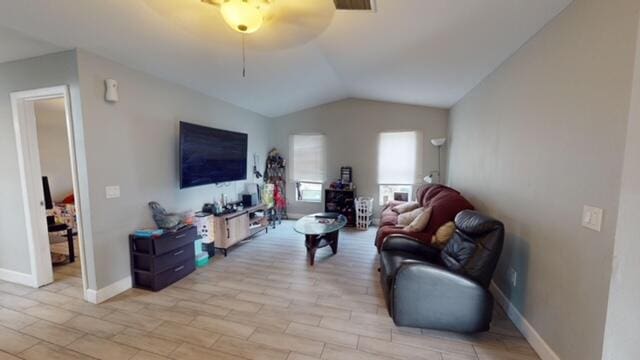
<point x="443" y="290"/>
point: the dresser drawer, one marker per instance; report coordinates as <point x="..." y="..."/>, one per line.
<point x="171" y="241"/>
<point x="161" y="280"/>
<point x="166" y="242"/>
<point x="163" y="262"/>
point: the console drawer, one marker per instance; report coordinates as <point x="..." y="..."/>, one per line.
<point x="161" y="280"/>
<point x="166" y="242"/>
<point x="163" y="262"/>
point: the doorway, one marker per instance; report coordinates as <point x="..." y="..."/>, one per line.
<point x="45" y="141"/>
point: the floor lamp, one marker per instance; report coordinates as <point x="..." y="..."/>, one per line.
<point x="439" y="143"/>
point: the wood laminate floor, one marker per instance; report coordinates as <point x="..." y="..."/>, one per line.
<point x="261" y="302"/>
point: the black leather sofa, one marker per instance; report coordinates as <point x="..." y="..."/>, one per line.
<point x="443" y="290"/>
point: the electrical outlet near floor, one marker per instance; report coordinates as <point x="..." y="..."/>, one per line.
<point x="513" y="277"/>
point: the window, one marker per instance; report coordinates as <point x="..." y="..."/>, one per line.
<point x="308" y="166"/>
<point x="397" y="164"/>
<point x="395" y="192"/>
<point x="309" y="192"/>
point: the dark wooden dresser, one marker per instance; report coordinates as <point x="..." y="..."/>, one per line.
<point x="158" y="262"/>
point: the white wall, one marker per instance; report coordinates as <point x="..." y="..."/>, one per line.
<point x="53" y="145"/>
<point x="49" y="70"/>
<point x="534" y="142"/>
<point x="351" y="128"/>
<point x="623" y="317"/>
<point x="134" y="144"/>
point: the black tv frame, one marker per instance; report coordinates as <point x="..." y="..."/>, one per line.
<point x="208" y="128"/>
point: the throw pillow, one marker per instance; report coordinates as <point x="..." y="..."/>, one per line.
<point x="406" y="207"/>
<point x="420" y="223"/>
<point x="443" y="235"/>
<point x="406" y="218"/>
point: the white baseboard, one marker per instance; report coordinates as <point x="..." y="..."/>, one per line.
<point x="18" y="278"/>
<point x="106" y="293"/>
<point x="537" y="342"/>
<point x="295" y="216"/>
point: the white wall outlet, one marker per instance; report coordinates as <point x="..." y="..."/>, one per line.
<point x="592" y="218"/>
<point x="513" y="277"/>
<point x="112" y="191"/>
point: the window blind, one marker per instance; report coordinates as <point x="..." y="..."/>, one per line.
<point x="308" y="156"/>
<point x="397" y="157"/>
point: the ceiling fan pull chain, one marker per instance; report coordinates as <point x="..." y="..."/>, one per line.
<point x="244" y="60"/>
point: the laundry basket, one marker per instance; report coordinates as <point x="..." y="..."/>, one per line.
<point x="364" y="210"/>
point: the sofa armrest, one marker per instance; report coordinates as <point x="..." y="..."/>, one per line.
<point x="409" y="244"/>
<point x="429" y="296"/>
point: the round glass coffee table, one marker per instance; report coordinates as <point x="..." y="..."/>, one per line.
<point x="320" y="230"/>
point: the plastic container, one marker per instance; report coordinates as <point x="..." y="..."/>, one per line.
<point x="202" y="260"/>
<point x="197" y="245"/>
<point x="364" y="211"/>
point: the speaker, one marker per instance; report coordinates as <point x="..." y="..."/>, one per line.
<point x="249" y="200"/>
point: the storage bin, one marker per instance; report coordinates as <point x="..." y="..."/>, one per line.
<point x="364" y="211"/>
<point x="202" y="260"/>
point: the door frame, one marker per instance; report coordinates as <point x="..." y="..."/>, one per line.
<point x="37" y="235"/>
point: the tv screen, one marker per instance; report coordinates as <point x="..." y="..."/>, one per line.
<point x="211" y="156"/>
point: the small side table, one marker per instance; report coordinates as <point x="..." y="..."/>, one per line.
<point x="54" y="228"/>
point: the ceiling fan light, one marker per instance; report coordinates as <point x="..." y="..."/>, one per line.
<point x="242" y="15"/>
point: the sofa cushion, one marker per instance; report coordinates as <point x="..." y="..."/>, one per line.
<point x="388" y="217"/>
<point x="475" y="246"/>
<point x="445" y="206"/>
<point x="432" y="192"/>
<point x="443" y="235"/>
<point x="420" y="222"/>
<point x="405" y="207"/>
<point x="407" y="218"/>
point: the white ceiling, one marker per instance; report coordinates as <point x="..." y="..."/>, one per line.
<point x="423" y="52"/>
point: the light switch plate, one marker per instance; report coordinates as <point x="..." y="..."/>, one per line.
<point x="112" y="191"/>
<point x="592" y="218"/>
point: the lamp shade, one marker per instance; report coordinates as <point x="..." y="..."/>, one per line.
<point x="438" y="142"/>
<point x="244" y="16"/>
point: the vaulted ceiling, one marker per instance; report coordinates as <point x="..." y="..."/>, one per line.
<point x="423" y="52"/>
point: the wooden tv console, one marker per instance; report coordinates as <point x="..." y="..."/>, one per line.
<point x="230" y="229"/>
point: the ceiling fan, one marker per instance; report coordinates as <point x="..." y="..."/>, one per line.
<point x="265" y="24"/>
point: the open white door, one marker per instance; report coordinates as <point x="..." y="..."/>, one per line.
<point x="26" y="134"/>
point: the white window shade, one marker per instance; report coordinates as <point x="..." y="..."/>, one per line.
<point x="308" y="156"/>
<point x="397" y="157"/>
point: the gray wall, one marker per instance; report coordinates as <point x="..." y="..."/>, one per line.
<point x="53" y="145"/>
<point x="50" y="70"/>
<point x="534" y="142"/>
<point x="133" y="144"/>
<point x="623" y="317"/>
<point x="351" y="128"/>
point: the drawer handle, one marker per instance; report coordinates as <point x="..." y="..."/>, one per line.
<point x="178" y="252"/>
<point x="178" y="268"/>
<point x="181" y="236"/>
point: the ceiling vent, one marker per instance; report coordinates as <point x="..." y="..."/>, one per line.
<point x="363" y="5"/>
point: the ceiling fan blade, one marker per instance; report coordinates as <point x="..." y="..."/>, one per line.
<point x="295" y="22"/>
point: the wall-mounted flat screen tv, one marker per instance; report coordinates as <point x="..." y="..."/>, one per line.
<point x="211" y="156"/>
